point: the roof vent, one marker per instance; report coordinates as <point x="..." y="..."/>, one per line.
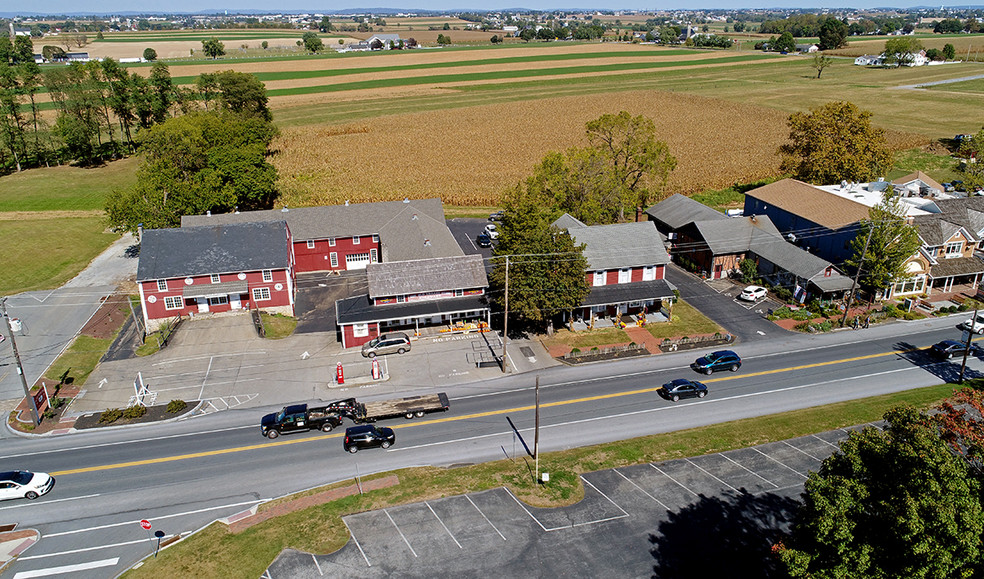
<point x="843" y="184"/>
<point x="406" y="200"/>
<point x="284" y="210"/>
<point x="427" y="243"/>
<point x="346" y="202"/>
<point x="414" y="218"/>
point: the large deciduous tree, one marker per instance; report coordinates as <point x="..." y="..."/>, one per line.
<point x="901" y="50"/>
<point x="213" y="48"/>
<point x="202" y="161"/>
<point x="835" y="142"/>
<point x="884" y="243"/>
<point x="312" y="42"/>
<point x="833" y="34"/>
<point x="891" y="503"/>
<point x="546" y="269"/>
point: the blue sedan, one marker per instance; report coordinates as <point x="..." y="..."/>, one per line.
<point x="720" y="360"/>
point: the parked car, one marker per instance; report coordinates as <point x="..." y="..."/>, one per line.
<point x="394" y="342"/>
<point x="753" y="293"/>
<point x="492" y="231"/>
<point x="497" y="216"/>
<point x="15" y="484"/>
<point x="368" y="436"/>
<point x="682" y="388"/>
<point x="949" y="348"/>
<point x="975" y="325"/>
<point x="947" y="187"/>
<point x="483" y="240"/>
<point x="720" y="360"/>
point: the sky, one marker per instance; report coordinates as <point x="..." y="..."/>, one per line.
<point x="185" y="6"/>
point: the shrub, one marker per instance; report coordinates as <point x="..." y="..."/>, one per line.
<point x="802" y="315"/>
<point x="784" y="294"/>
<point x="134" y="412"/>
<point x="175" y="406"/>
<point x="111" y="415"/>
<point x="573" y="351"/>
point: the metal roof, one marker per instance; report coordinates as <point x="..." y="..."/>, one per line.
<point x="396" y="278"/>
<point x="360" y="310"/>
<point x="678" y="210"/>
<point x="188" y="251"/>
<point x="605" y="295"/>
<point x="621" y="245"/>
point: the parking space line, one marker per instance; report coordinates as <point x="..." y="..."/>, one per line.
<point x="443" y="525"/>
<point x="803" y="451"/>
<point x="315" y="559"/>
<point x="205" y="379"/>
<point x="484" y="517"/>
<point x="824" y="441"/>
<point x="357" y="543"/>
<point x="659" y="502"/>
<point x="604" y="495"/>
<point x="709" y="474"/>
<point x="778" y="462"/>
<point x="684" y="487"/>
<point x="522" y="506"/>
<point x="400" y="532"/>
<point x="749" y="470"/>
<point x="780" y="489"/>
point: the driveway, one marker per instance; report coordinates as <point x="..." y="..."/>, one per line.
<point x="317" y="293"/>
<point x="748" y="324"/>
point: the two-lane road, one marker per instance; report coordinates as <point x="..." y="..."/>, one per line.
<point x="182" y="475"/>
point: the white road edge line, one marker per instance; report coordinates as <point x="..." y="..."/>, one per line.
<point x="49" y="502"/>
<point x="484" y="517"/>
<point x="83" y="550"/>
<point x="443" y="525"/>
<point x="351" y="534"/>
<point x="315" y="559"/>
<point x="400" y="532"/>
<point x="100" y="527"/>
<point x="67" y="568"/>
<point x="630" y="481"/>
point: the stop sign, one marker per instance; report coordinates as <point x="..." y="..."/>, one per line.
<point x="145" y="524"/>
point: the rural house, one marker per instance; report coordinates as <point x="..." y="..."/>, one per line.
<point x="354" y="235"/>
<point x="220" y="268"/>
<point x="415" y="295"/>
<point x="948" y="257"/>
<point x="626" y="268"/>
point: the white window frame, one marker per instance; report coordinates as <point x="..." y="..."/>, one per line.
<point x="333" y="259"/>
<point x="375" y="238"/>
<point x="310" y="244"/>
<point x="267" y="275"/>
<point x="331" y="242"/>
<point x="261" y="294"/>
<point x="649" y="273"/>
<point x="355" y="240"/>
<point x="218" y="300"/>
<point x="373" y="256"/>
<point x="360" y="330"/>
<point x="625" y="275"/>
<point x="958" y="245"/>
<point x="162" y="285"/>
<point x="458" y="293"/>
<point x="171" y="304"/>
<point x="401" y="299"/>
<point x="216" y="278"/>
<point x="599" y="278"/>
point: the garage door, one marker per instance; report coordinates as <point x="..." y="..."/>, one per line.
<point x="357" y="261"/>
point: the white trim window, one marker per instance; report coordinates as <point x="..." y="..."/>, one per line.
<point x="261" y="294"/>
<point x="310" y="244"/>
<point x="599" y="278"/>
<point x="373" y="256"/>
<point x="333" y="258"/>
<point x="649" y="273"/>
<point x="216" y="278"/>
<point x="954" y="249"/>
<point x="173" y="303"/>
<point x="360" y="330"/>
<point x="162" y="285"/>
<point x="267" y="275"/>
<point x="375" y="239"/>
<point x="625" y="275"/>
<point x="356" y="240"/>
<point x="218" y="301"/>
<point x="331" y="242"/>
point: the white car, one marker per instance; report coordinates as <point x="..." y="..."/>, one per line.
<point x="973" y="325"/>
<point x="16" y="484"/>
<point x="492" y="231"/>
<point x="753" y="293"/>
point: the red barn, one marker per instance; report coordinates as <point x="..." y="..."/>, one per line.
<point x="220" y="268"/>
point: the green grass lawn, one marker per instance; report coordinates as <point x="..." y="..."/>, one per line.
<point x="943" y="168"/>
<point x="970" y="86"/>
<point x="277" y="326"/>
<point x="65" y="188"/>
<point x="215" y="552"/>
<point x="79" y="360"/>
<point x="45" y="253"/>
<point x="687" y="321"/>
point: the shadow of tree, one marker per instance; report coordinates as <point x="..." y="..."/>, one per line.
<point x="945" y="370"/>
<point x="728" y="535"/>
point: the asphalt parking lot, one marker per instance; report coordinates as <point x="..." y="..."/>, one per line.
<point x="717" y="513"/>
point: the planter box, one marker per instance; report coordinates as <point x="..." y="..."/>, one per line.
<point x="696" y="343"/>
<point x="610" y="353"/>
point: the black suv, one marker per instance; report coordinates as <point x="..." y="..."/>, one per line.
<point x="720" y="360"/>
<point x="682" y="388"/>
<point x="368" y="436"/>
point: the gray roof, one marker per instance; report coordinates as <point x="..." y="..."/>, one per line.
<point x="568" y="221"/>
<point x="736" y="234"/>
<point x="621" y="245"/>
<point x="801" y="263"/>
<point x="678" y="210"/>
<point x="956" y="266"/>
<point x="605" y="295"/>
<point x="426" y="275"/>
<point x="966" y="212"/>
<point x="240" y="247"/>
<point x="360" y="310"/>
<point x="409" y="229"/>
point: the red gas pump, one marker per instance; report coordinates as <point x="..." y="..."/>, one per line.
<point x="339" y="374"/>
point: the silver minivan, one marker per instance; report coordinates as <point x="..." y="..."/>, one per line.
<point x="397" y="342"/>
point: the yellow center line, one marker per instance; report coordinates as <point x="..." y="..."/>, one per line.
<point x="463" y="417"/>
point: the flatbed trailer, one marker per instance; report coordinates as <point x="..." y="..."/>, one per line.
<point x="409" y="407"/>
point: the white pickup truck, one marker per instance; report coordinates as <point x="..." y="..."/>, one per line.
<point x="975" y="325"/>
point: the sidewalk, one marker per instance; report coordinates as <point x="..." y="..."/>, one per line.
<point x="13" y="543"/>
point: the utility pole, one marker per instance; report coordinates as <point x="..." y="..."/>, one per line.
<point x="857" y="274"/>
<point x="970" y="336"/>
<point x="505" y="320"/>
<point x="536" y="432"/>
<point x="20" y="368"/>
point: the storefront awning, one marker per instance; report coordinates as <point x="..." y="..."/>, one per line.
<point x="609" y="295"/>
<point x="214" y="290"/>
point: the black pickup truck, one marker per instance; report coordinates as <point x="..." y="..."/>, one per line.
<point x="299" y="417"/>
